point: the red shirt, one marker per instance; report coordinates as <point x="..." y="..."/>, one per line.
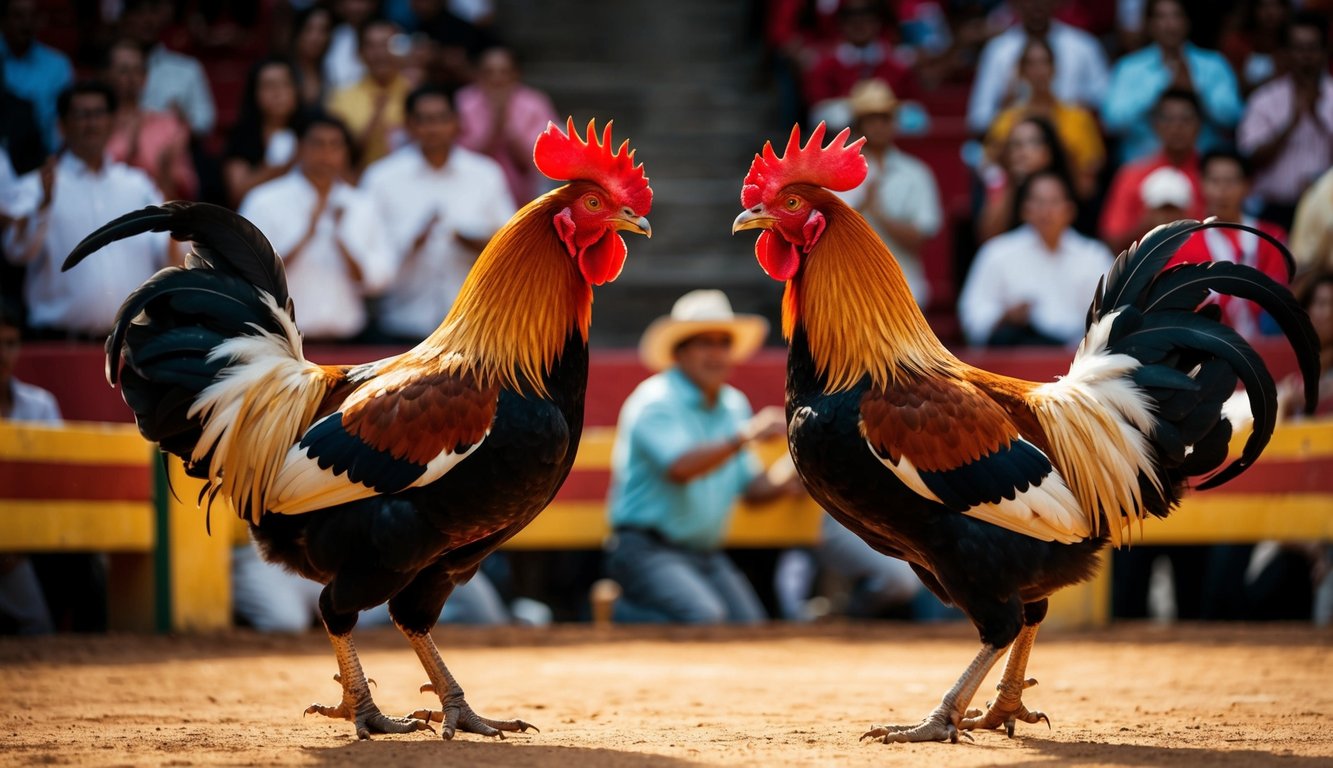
<point x="1242" y="248"/>
<point x="842" y="66"/>
<point x="1124" y="205"/>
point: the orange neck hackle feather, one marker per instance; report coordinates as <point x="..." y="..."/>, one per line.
<point x="857" y="311"/>
<point x="518" y="306"/>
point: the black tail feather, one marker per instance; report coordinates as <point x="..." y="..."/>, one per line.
<point x="1163" y="322"/>
<point x="161" y="349"/>
<point x="224" y="241"/>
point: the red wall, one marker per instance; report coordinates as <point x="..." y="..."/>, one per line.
<point x="75" y="374"/>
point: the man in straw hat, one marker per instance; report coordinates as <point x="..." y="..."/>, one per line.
<point x="681" y="462"/>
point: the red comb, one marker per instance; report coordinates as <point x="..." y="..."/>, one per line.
<point x="838" y="167"/>
<point x="563" y="156"/>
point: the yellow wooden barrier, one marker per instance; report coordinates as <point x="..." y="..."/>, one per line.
<point x="186" y="585"/>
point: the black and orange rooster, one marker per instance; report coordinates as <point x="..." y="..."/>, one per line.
<point x="998" y="491"/>
<point x="388" y="481"/>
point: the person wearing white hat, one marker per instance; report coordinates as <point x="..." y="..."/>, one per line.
<point x="680" y="463"/>
<point x="899" y="197"/>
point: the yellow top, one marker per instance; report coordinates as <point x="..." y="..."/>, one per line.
<point x="1076" y="127"/>
<point x="355" y="105"/>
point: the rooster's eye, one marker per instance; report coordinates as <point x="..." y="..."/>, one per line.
<point x="593" y="203"/>
<point x="793" y="203"/>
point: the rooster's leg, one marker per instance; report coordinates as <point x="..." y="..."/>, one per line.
<point x="942" y="724"/>
<point x="457" y="715"/>
<point x="357" y="705"/>
<point x="1008" y="708"/>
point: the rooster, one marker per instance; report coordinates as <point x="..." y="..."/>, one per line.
<point x="999" y="491"/>
<point x="392" y="480"/>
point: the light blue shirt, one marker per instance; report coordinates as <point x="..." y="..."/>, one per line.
<point x="1139" y="80"/>
<point x="39" y="76"/>
<point x="663" y="419"/>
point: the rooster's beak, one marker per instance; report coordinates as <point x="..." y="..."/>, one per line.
<point x="755" y="218"/>
<point x="628" y="222"/>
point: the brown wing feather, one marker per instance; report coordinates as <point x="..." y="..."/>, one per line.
<point x="422" y="416"/>
<point x="939" y="423"/>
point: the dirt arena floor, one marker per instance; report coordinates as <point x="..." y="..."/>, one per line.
<point x="1135" y="695"/>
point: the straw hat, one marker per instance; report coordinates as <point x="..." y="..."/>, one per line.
<point x="872" y="97"/>
<point x="701" y="311"/>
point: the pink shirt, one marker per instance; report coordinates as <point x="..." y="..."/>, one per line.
<point x="159" y="133"/>
<point x="1308" y="150"/>
<point x="529" y="111"/>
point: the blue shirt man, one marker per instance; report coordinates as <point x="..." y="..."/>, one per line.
<point x="1170" y="62"/>
<point x="35" y="72"/>
<point x="680" y="464"/>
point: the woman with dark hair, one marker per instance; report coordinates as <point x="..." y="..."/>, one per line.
<point x="1032" y="145"/>
<point x="1076" y="127"/>
<point x="312" y="31"/>
<point x="262" y="144"/>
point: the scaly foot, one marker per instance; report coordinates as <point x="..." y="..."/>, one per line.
<point x="1007" y="709"/>
<point x="367" y="718"/>
<point x="457" y="715"/>
<point x="939" y="725"/>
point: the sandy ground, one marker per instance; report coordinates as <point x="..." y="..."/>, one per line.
<point x="1134" y="695"/>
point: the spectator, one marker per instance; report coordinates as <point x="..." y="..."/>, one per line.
<point x="680" y="463"/>
<point x="1080" y="74"/>
<point x="312" y="31"/>
<point x="157" y="143"/>
<point x="262" y="144"/>
<point x="1031" y="146"/>
<point x="175" y="81"/>
<point x="1312" y="232"/>
<point x="440" y="203"/>
<point x="1031" y="285"/>
<point x="327" y="232"/>
<point x="1176" y="119"/>
<point x="342" y="64"/>
<point x="862" y="51"/>
<point x="898" y="197"/>
<point x="1226" y="184"/>
<point x="20" y="136"/>
<point x="1316" y="297"/>
<point x="33" y="71"/>
<point x="69" y="197"/>
<point x="1169" y="62"/>
<point x="1287" y="129"/>
<point x="372" y="108"/>
<point x="1080" y="136"/>
<point x="502" y="117"/>
<point x="879" y="586"/>
<point x="23" y="608"/>
<point x="1253" y="44"/>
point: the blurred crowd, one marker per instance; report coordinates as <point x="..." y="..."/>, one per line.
<point x="379" y="144"/>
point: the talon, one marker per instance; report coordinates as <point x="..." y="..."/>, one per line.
<point x="426" y="688"/>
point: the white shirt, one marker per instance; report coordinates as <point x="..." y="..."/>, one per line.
<point x="32" y="403"/>
<point x="471" y="198"/>
<point x="177" y="79"/>
<point x="1016" y="267"/>
<point x="85" y="299"/>
<point x="329" y="303"/>
<point x="906" y="192"/>
<point x="1081" y="73"/>
<point x="342" y="61"/>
